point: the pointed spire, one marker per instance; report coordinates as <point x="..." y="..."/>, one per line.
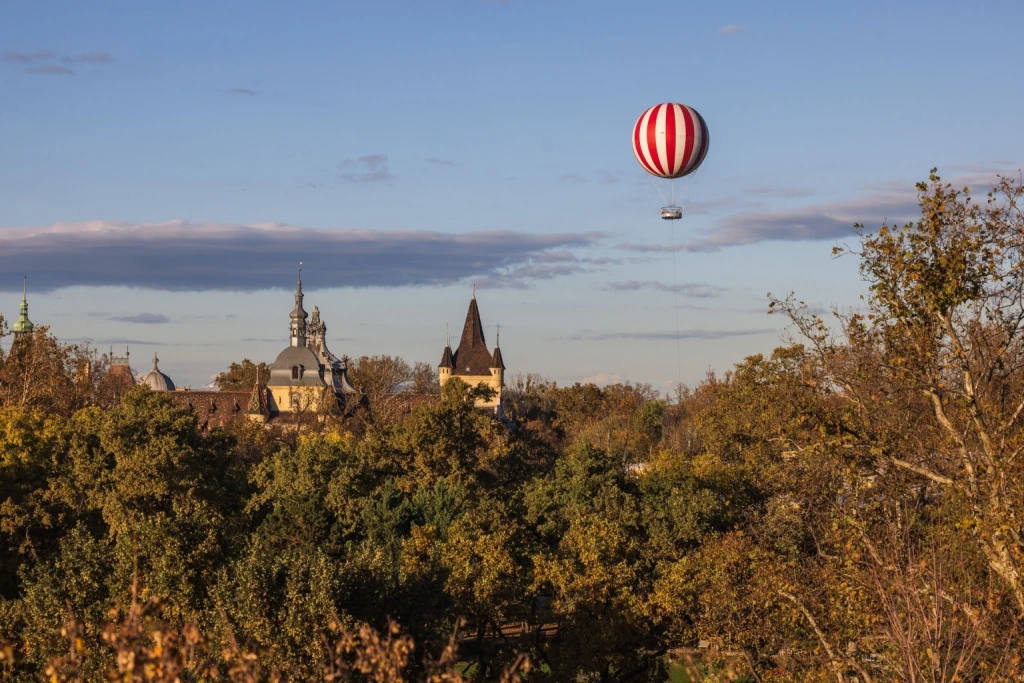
<point x="446" y="357"/>
<point x="497" y="361"/>
<point x="472" y="356"/>
<point x="23" y="326"/>
<point x="473" y="330"/>
<point x="298" y="316"/>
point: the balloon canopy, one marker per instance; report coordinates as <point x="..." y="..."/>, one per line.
<point x="670" y="140"/>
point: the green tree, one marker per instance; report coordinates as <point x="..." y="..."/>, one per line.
<point x="243" y="376"/>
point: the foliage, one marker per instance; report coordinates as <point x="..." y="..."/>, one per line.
<point x="243" y="376"/>
<point x="848" y="505"/>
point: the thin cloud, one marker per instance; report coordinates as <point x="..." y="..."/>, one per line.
<point x="50" y="70"/>
<point x="697" y="290"/>
<point x="117" y="341"/>
<point x="242" y="91"/>
<point x="731" y="29"/>
<point x="523" y="277"/>
<point x="671" y="336"/>
<point x="89" y="58"/>
<point x="895" y="202"/>
<point x="144" y="318"/>
<point x="602" y="379"/>
<point x="183" y="256"/>
<point x="649" y="248"/>
<point x="26" y="57"/>
<point x="778" y="191"/>
<point x="599" y="177"/>
<point x="369" y="168"/>
<point x="440" y="162"/>
<point x="825" y="221"/>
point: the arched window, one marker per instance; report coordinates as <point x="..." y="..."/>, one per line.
<point x="295" y="372"/>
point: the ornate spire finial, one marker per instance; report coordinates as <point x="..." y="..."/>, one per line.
<point x="298" y="315"/>
<point x="474" y="290"/>
<point x="497" y="337"/>
<point x="23" y="326"/>
<point x="447" y="335"/>
<point x="155" y="361"/>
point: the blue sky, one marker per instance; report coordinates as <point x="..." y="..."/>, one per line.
<point x="163" y="167"/>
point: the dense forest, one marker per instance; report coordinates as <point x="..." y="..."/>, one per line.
<point x="848" y="507"/>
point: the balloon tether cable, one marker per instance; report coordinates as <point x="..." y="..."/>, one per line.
<point x="675" y="307"/>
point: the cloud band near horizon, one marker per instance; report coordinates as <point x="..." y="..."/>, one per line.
<point x="185" y="256"/>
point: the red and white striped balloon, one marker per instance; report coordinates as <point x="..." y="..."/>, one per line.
<point x="670" y="140"/>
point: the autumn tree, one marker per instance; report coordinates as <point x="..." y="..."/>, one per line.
<point x="386" y="380"/>
<point x="424" y="379"/>
<point x="243" y="376"/>
<point x="40" y="371"/>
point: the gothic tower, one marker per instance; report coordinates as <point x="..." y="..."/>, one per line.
<point x="471" y="361"/>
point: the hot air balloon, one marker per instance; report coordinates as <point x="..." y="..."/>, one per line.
<point x="670" y="141"/>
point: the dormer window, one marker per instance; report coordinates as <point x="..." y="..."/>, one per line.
<point x="295" y="372"/>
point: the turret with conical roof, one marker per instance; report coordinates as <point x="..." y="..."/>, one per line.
<point x="23" y="326"/>
<point x="497" y="362"/>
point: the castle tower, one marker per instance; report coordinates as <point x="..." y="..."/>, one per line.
<point x="23" y="326"/>
<point x="471" y="361"/>
<point x="121" y="365"/>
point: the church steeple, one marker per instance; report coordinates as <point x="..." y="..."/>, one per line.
<point x="23" y="326"/>
<point x="298" y="316"/>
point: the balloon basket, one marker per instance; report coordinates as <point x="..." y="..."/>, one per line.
<point x="671" y="212"/>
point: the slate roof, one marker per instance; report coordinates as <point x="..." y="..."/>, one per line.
<point x="213" y="408"/>
<point x="472" y="356"/>
<point x="302" y="356"/>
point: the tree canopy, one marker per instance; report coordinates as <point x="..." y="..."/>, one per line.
<point x="848" y="505"/>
